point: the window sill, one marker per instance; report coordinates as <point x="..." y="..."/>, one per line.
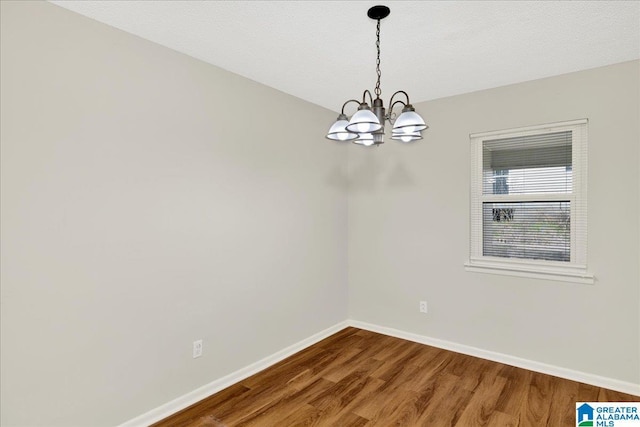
<point x="534" y="271"/>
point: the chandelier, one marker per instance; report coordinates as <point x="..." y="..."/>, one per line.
<point x="366" y="126"/>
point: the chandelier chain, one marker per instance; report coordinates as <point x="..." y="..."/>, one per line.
<point x="377" y="90"/>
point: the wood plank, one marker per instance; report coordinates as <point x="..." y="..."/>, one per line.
<point x="347" y="362"/>
<point x="306" y="415"/>
<point x="192" y="415"/>
<point x="537" y="401"/>
<point x="564" y="396"/>
<point x="587" y="393"/>
<point x="400" y="409"/>
<point x="481" y="406"/>
<point x="348" y="419"/>
<point x="370" y="387"/>
<point x="283" y="408"/>
<point x="514" y="391"/>
<point x="501" y="419"/>
<point x="386" y="393"/>
<point x="345" y="390"/>
<point x="444" y="402"/>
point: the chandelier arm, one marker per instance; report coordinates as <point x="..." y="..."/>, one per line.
<point x="402" y="92"/>
<point x="366" y="91"/>
<point x="392" y="104"/>
<point x="351" y="100"/>
<point x="390" y="115"/>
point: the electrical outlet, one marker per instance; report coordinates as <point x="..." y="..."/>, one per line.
<point x="197" y="348"/>
<point x="423" y="306"/>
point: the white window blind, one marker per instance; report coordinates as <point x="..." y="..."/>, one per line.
<point x="528" y="200"/>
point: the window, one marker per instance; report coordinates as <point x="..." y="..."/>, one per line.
<point x="529" y="202"/>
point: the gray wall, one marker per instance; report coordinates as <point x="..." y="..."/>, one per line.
<point x="409" y="230"/>
<point x="148" y="200"/>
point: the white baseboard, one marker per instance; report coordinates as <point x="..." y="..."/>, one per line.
<point x="583" y="377"/>
<point x="207" y="390"/>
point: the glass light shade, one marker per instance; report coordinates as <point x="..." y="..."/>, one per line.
<point x="337" y="132"/>
<point x="409" y="122"/>
<point x="406" y="136"/>
<point x="364" y="121"/>
<point x="365" y="139"/>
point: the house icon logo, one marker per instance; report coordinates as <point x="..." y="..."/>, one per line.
<point x="584" y="416"/>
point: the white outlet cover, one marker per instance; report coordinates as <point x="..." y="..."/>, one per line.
<point x="423" y="306"/>
<point x="197" y="348"/>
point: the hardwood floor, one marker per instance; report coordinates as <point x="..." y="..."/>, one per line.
<point x="360" y="378"/>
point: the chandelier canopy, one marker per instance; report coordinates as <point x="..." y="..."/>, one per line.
<point x="366" y="126"/>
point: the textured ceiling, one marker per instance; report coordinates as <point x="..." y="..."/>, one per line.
<point x="324" y="51"/>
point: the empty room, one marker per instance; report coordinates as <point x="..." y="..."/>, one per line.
<point x="329" y="213"/>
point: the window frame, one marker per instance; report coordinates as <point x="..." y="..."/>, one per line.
<point x="573" y="271"/>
